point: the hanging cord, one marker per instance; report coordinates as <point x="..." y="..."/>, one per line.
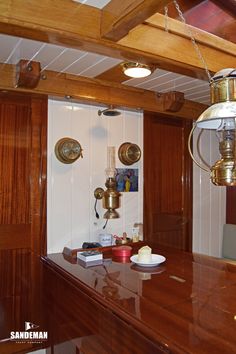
<point x="166" y="19"/>
<point x="193" y="41"/>
<point x="105" y="224"/>
<point x="95" y="209"/>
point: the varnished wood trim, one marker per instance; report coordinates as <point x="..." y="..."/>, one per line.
<point x="114" y="74"/>
<point x="39" y="175"/>
<point x="118" y="18"/>
<point x="178" y="49"/>
<point x="79" y="29"/>
<point x="47" y="15"/>
<point x="97" y="91"/>
<point x="201" y="37"/>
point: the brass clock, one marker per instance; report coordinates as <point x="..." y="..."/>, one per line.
<point x="68" y="150"/>
<point x="129" y="153"/>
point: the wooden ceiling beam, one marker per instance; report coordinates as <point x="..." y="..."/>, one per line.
<point x="119" y="17"/>
<point x="51" y="17"/>
<point x="176" y="46"/>
<point x="99" y="92"/>
<point x="114" y="74"/>
<point x="80" y="29"/>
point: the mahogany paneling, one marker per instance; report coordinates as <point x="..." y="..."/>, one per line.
<point x="14" y="168"/>
<point x="23" y="146"/>
<point x="167" y="182"/>
<point x="23" y="156"/>
<point x="231" y="205"/>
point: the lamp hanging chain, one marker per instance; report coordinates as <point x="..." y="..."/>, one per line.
<point x="166" y="19"/>
<point x="193" y="40"/>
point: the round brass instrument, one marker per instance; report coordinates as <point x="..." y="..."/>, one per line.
<point x="68" y="150"/>
<point x="129" y="153"/>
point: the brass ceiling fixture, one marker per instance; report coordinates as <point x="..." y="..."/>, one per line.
<point x="220" y="116"/>
<point x="136" y="70"/>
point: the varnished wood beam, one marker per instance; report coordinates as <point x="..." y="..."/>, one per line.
<point x="49" y="24"/>
<point x="183" y="31"/>
<point x="48" y="16"/>
<point x="175" y="45"/>
<point x="114" y="74"/>
<point x="97" y="91"/>
<point x="78" y="26"/>
<point x="119" y="17"/>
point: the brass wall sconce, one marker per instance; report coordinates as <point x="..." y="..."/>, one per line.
<point x="129" y="153"/>
<point x="68" y="150"/>
<point x="110" y="197"/>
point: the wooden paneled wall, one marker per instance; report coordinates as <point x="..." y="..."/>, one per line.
<point x="23" y="147"/>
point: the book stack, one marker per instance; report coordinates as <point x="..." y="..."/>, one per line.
<point x="90" y="258"/>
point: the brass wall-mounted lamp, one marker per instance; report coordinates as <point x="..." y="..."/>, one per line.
<point x="110" y="197"/>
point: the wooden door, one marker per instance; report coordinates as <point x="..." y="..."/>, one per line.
<point x="23" y="137"/>
<point x="167" y="181"/>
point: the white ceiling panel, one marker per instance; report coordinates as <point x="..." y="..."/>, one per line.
<point x="77" y="62"/>
<point x="96" y="3"/>
<point x="47" y="54"/>
<point x="65" y="60"/>
<point x="140" y="81"/>
<point x="85" y="61"/>
<point x="100" y="66"/>
<point x="28" y="49"/>
<point x="196" y="89"/>
<point x="8" y="46"/>
<point x="164" y="81"/>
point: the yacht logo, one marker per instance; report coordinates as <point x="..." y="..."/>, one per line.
<point x="29" y="335"/>
<point x="30" y="325"/>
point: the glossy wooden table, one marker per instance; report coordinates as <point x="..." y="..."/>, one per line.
<point x="186" y="305"/>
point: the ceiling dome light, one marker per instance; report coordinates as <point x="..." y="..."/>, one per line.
<point x="136" y="70"/>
